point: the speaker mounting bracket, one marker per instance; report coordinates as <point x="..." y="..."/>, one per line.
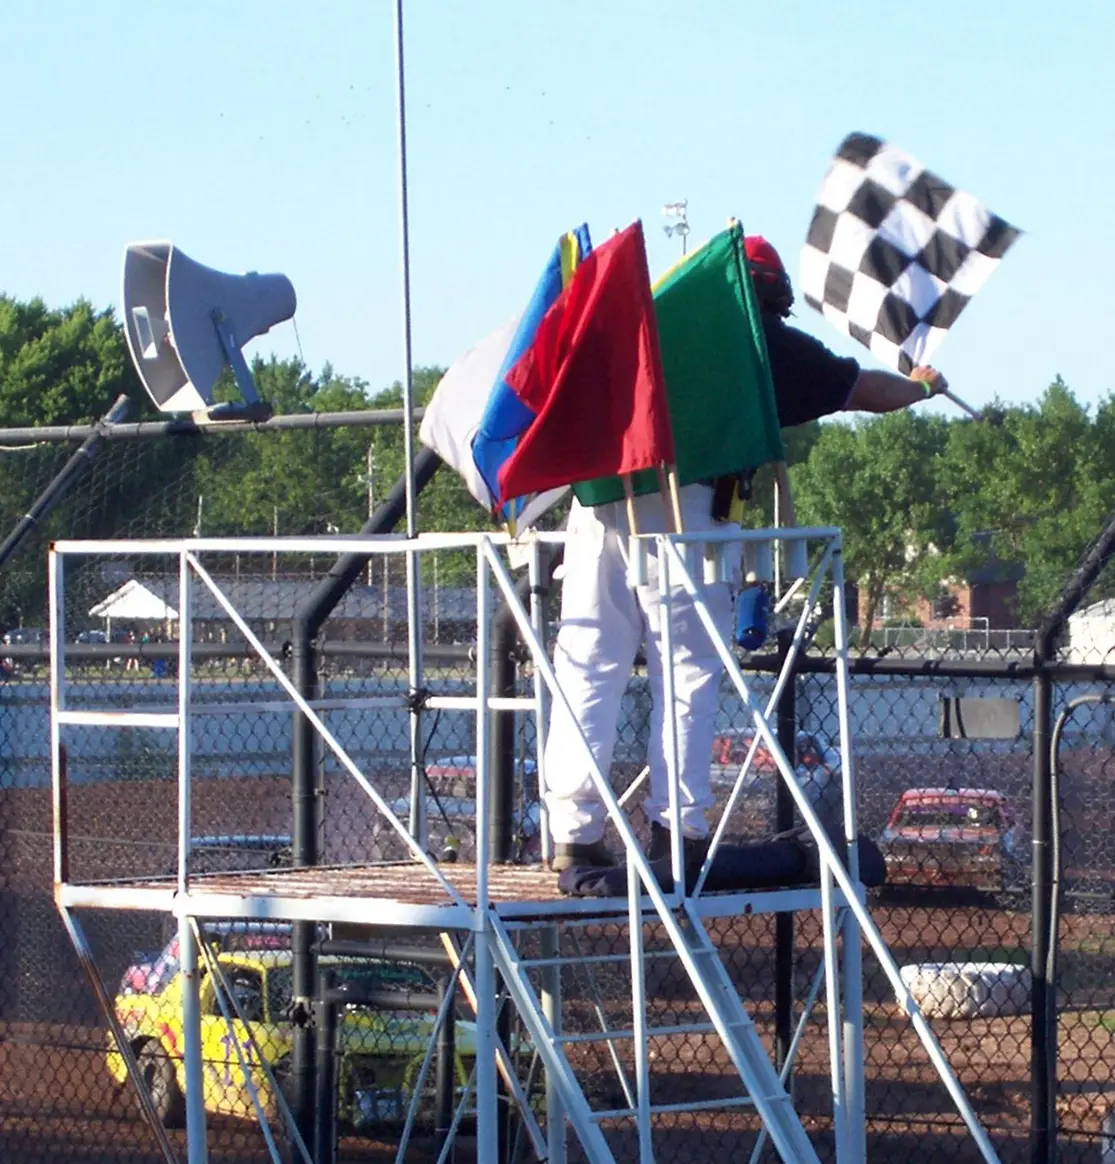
<point x="253" y="408"/>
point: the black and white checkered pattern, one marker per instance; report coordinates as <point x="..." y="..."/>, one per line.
<point x="894" y="253"/>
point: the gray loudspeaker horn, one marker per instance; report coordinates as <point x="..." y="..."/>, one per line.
<point x="185" y="322"/>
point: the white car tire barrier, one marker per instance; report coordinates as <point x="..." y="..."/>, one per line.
<point x="969" y="989"/>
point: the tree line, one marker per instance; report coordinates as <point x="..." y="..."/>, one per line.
<point x="921" y="498"/>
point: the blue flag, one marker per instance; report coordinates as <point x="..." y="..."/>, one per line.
<point x="506" y="417"/>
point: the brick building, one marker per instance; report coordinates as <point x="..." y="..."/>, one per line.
<point x="986" y="598"/>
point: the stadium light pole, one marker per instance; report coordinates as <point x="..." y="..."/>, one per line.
<point x="679" y="211"/>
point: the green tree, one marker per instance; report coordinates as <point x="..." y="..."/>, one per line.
<point x="876" y="479"/>
<point x="300" y="481"/>
<point x="799" y="442"/>
<point x="68" y="366"/>
<point x="444" y="505"/>
<point x="63" y="365"/>
<point x="1040" y="481"/>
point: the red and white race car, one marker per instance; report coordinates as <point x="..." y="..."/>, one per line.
<point x="953" y="837"/>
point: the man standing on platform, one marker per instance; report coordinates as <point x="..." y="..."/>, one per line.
<point x="604" y="620"/>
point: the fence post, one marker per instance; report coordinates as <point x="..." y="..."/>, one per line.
<point x="504" y="659"/>
<point x="1043" y="1008"/>
<point x="501" y="757"/>
<point x="304" y="853"/>
<point x="1043" y="1115"/>
<point x="784" y="820"/>
<point x="326" y="1017"/>
<point x="445" y="1071"/>
<point x="504" y="670"/>
<point x="309" y="618"/>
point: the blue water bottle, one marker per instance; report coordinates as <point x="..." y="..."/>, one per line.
<point x="752" y="614"/>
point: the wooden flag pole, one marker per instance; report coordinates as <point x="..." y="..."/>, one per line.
<point x="787" y="514"/>
<point x="796" y="552"/>
<point x="629" y="498"/>
<point x="637" y="562"/>
<point x="675" y="497"/>
<point x="671" y="499"/>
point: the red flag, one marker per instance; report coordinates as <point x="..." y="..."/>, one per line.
<point x="593" y="378"/>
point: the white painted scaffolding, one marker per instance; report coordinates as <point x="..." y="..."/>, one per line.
<point x="483" y="911"/>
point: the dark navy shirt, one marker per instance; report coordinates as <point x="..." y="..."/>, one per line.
<point x="809" y="380"/>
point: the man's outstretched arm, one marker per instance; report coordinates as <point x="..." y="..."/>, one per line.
<point x="877" y="391"/>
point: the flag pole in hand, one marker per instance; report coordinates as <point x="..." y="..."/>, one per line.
<point x="936" y="385"/>
<point x="949" y="395"/>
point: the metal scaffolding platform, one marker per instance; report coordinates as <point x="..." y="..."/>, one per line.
<point x="488" y="914"/>
<point x="341" y="894"/>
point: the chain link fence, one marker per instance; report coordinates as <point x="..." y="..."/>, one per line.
<point x="945" y="774"/>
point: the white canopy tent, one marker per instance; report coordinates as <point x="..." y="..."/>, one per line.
<point x="133" y="602"/>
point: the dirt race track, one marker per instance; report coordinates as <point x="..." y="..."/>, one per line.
<point x="57" y="1101"/>
<point x="74" y="1112"/>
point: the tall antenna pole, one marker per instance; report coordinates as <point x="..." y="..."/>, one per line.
<point x="417" y="820"/>
<point x="404" y="231"/>
<point x="370" y="482"/>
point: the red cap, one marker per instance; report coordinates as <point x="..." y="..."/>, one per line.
<point x="761" y="254"/>
<point x="771" y="282"/>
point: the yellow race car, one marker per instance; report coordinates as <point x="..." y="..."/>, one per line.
<point x="379" y="1052"/>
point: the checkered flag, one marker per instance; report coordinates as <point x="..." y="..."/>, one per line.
<point x="894" y="253"/>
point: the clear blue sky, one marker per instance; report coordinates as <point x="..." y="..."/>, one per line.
<point x="261" y="134"/>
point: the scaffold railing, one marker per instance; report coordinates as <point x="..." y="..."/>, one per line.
<point x="488" y="905"/>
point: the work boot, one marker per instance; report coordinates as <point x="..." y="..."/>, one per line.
<point x="694" y="850"/>
<point x="581" y="855"/>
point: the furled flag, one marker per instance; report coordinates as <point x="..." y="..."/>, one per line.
<point x="894" y="253"/>
<point x="505" y="417"/>
<point x="590" y="390"/>
<point x="718" y="384"/>
<point x="453" y="414"/>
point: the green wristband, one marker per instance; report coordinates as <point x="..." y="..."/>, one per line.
<point x="928" y="388"/>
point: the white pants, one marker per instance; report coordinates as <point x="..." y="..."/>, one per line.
<point x="603" y="622"/>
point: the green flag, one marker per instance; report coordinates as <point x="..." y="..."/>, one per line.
<point x="718" y="383"/>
